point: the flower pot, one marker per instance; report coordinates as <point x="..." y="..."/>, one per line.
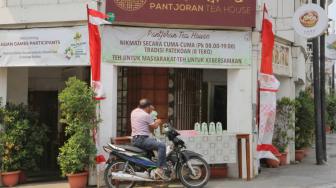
<point x="219" y="171"/>
<point x="299" y="155"/>
<point x="328" y="130"/>
<point x="283" y="159"/>
<point x="271" y="163"/>
<point x="10" y="179"/>
<point x="78" y="180"/>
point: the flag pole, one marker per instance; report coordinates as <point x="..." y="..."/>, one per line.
<point x="258" y="84"/>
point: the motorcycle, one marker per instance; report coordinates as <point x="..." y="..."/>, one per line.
<point x="128" y="165"/>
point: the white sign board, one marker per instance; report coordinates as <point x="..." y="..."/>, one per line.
<point x="331" y="47"/>
<point x="131" y="46"/>
<point x="310" y="20"/>
<point x="44" y="47"/>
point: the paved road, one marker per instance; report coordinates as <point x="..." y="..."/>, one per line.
<point x="303" y="175"/>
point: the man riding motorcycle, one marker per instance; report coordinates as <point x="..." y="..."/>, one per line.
<point x="142" y="123"/>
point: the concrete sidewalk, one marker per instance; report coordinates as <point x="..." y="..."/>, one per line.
<point x="302" y="175"/>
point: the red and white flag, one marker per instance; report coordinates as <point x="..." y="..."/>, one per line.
<point x="96" y="18"/>
<point x="268" y="86"/>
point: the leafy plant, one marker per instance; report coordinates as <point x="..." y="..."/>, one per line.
<point x="21" y="138"/>
<point x="305" y="121"/>
<point x="77" y="153"/>
<point x="284" y="123"/>
<point x="78" y="111"/>
<point x="331" y="111"/>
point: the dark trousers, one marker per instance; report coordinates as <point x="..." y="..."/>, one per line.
<point x="150" y="144"/>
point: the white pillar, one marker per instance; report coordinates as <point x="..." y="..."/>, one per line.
<point x="239" y="113"/>
<point x="3" y="85"/>
<point x="108" y="114"/>
<point x="239" y="101"/>
<point x="108" y="107"/>
<point x="256" y="59"/>
<point x="3" y="91"/>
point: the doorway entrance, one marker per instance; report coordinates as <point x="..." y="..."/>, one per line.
<point x="44" y="85"/>
<point x="45" y="103"/>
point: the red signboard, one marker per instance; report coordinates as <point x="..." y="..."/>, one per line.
<point x="211" y="13"/>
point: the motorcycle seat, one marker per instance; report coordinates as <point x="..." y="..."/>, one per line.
<point x="132" y="148"/>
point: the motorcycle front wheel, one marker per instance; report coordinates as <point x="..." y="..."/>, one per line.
<point x="201" y="172"/>
<point x="117" y="167"/>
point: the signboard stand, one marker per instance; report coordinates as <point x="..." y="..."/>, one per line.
<point x="317" y="102"/>
<point x="323" y="95"/>
<point x="311" y="21"/>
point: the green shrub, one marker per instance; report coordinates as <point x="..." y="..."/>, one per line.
<point x="284" y="123"/>
<point x="78" y="111"/>
<point x="21" y="139"/>
<point x="76" y="154"/>
<point x="305" y="121"/>
<point x="331" y="112"/>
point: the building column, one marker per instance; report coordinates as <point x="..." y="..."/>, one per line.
<point x="239" y="114"/>
<point x="3" y="85"/>
<point x="108" y="106"/>
<point x="107" y="109"/>
<point x="3" y="91"/>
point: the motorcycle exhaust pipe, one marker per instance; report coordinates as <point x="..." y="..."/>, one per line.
<point x="129" y="177"/>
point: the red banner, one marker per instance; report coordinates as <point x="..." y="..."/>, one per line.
<point x="211" y="13"/>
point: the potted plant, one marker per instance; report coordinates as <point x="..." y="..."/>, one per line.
<point x="300" y="144"/>
<point x="331" y="113"/>
<point x="272" y="163"/>
<point x="78" y="111"/>
<point x="11" y="155"/>
<point x="33" y="138"/>
<point x="284" y="125"/>
<point x="304" y="126"/>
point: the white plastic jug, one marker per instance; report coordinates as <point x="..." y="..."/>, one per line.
<point x="219" y="128"/>
<point x="197" y="127"/>
<point x="212" y="128"/>
<point x="204" y="129"/>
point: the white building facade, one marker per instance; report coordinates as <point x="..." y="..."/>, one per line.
<point x="23" y="83"/>
<point x="43" y="43"/>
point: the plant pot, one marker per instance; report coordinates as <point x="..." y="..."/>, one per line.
<point x="78" y="180"/>
<point x="10" y="179"/>
<point x="283" y="159"/>
<point x="219" y="171"/>
<point x="271" y="163"/>
<point x="328" y="130"/>
<point x="299" y="155"/>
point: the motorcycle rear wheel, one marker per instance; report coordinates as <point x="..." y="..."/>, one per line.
<point x="115" y="167"/>
<point x="201" y="168"/>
